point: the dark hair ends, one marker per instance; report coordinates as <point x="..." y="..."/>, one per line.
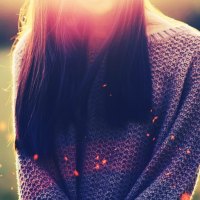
<point x="54" y="85"/>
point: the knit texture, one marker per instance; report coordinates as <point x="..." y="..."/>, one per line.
<point x="158" y="160"/>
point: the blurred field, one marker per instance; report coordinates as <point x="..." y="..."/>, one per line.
<point x="185" y="10"/>
<point x="7" y="159"/>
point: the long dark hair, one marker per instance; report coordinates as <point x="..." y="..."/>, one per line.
<point x="54" y="82"/>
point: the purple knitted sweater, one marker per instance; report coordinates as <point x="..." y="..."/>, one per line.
<point x="158" y="160"/>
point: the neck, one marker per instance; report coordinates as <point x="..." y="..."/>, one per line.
<point x="100" y="25"/>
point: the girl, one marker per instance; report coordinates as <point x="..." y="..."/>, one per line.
<point x="106" y="102"/>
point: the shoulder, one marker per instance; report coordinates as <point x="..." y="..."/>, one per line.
<point x="181" y="40"/>
<point x="189" y="36"/>
<point x="176" y="32"/>
<point x="176" y="51"/>
<point x="192" y="39"/>
<point x="192" y="35"/>
<point x="190" y="53"/>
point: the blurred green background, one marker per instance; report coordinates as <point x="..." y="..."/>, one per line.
<point x="185" y="10"/>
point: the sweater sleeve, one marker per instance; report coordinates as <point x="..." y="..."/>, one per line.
<point x="172" y="172"/>
<point x="33" y="180"/>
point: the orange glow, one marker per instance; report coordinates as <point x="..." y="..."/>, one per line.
<point x="76" y="173"/>
<point x="104" y="161"/>
<point x="154" y="139"/>
<point x="3" y="126"/>
<point x="97" y="157"/>
<point x="185" y="196"/>
<point x="97" y="166"/>
<point x="154" y="119"/>
<point x="147" y="134"/>
<point x="172" y="137"/>
<point x="66" y="158"/>
<point x="168" y="173"/>
<point x="104" y="85"/>
<point x="35" y="157"/>
<point x="188" y="151"/>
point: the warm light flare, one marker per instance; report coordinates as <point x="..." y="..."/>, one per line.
<point x="185" y="196"/>
<point x="104" y="85"/>
<point x="188" y="151"/>
<point x="154" y="139"/>
<point x="35" y="157"/>
<point x="3" y="126"/>
<point x="154" y="119"/>
<point x="76" y="173"/>
<point x="66" y="158"/>
<point x="104" y="161"/>
<point x="97" y="166"/>
<point x="172" y="137"/>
